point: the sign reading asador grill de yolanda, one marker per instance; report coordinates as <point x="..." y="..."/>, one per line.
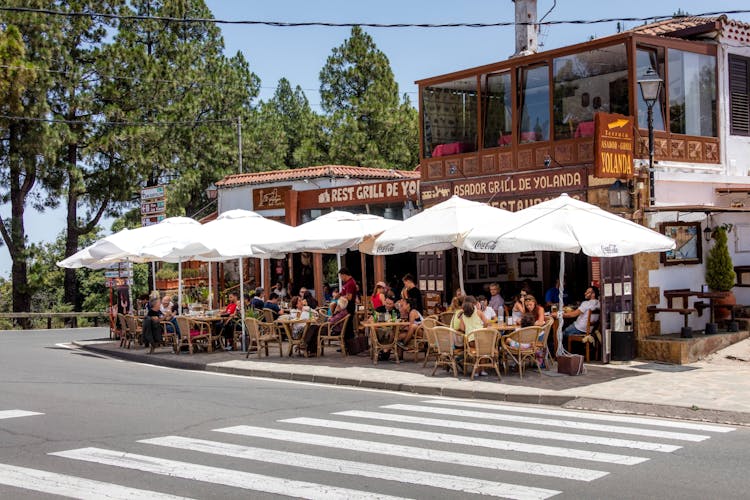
<point x="613" y="146"/>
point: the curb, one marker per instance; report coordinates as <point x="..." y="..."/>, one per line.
<point x="563" y="401"/>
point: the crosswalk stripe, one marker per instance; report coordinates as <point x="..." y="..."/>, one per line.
<point x="412" y="452"/>
<point x="71" y="486"/>
<point x="362" y="469"/>
<point x="655" y="422"/>
<point x="513" y="431"/>
<point x="568" y="424"/>
<point x="216" y="475"/>
<point x="554" y="451"/>
<point x="17" y="413"/>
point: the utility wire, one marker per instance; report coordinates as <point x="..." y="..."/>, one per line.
<point x="286" y="24"/>
<point x="104" y="122"/>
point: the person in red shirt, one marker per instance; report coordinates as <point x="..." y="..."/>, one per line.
<point x="349" y="290"/>
<point x="230" y="318"/>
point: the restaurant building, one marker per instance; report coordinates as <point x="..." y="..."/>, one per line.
<point x="523" y="130"/>
<point x="300" y="195"/>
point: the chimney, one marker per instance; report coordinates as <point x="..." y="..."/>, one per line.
<point x="526" y="34"/>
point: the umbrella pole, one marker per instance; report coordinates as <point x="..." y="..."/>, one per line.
<point x="363" y="261"/>
<point x="179" y="285"/>
<point x="560" y="348"/>
<point x="130" y="282"/>
<point x="210" y="288"/>
<point x="262" y="274"/>
<point x="338" y="263"/>
<point x="153" y="275"/>
<point x="242" y="300"/>
<point x="461" y="269"/>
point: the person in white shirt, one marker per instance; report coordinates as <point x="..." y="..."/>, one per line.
<point x="489" y="312"/>
<point x="497" y="303"/>
<point x="581" y="314"/>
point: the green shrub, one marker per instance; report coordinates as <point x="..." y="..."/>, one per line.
<point x="720" y="276"/>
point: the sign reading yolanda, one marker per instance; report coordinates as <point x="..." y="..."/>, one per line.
<point x="613" y="146"/>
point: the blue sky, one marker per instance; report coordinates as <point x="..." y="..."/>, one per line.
<point x="299" y="53"/>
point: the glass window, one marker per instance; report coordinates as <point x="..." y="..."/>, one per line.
<point x="645" y="59"/>
<point x="496" y="110"/>
<point x="533" y="103"/>
<point x="588" y="82"/>
<point x="450" y="117"/>
<point x="692" y="93"/>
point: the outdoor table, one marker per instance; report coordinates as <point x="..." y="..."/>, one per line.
<point x="371" y="329"/>
<point x="288" y="323"/>
<point x="711" y="306"/>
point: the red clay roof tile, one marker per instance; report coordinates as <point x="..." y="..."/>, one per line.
<point x="314" y="173"/>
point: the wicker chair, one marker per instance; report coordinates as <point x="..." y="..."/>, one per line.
<point x="485" y="353"/>
<point x="262" y="334"/>
<point x="419" y="342"/>
<point x="326" y="333"/>
<point x="134" y="331"/>
<point x="445" y="318"/>
<point x="547" y="329"/>
<point x="298" y="342"/>
<point x="589" y="338"/>
<point x="446" y="351"/>
<point x="194" y="334"/>
<point x="123" y="322"/>
<point x="521" y="346"/>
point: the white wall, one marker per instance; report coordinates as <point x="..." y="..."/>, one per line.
<point x="693" y="276"/>
<point x="735" y="149"/>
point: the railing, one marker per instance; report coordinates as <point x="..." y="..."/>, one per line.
<point x="49" y="316"/>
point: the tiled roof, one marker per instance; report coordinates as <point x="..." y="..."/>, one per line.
<point x="297" y="174"/>
<point x="688" y="25"/>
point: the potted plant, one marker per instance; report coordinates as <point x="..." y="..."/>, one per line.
<point x="166" y="278"/>
<point x="720" y="275"/>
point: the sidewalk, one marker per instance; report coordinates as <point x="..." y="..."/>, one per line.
<point x="716" y="389"/>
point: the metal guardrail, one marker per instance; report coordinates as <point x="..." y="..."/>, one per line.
<point x="49" y="316"/>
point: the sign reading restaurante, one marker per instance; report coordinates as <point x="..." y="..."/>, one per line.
<point x="613" y="147"/>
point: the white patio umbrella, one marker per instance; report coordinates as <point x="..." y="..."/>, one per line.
<point x="439" y="227"/>
<point x="236" y="234"/>
<point x="334" y="232"/>
<point x="565" y="224"/>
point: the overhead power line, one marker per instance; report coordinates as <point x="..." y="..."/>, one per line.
<point x="105" y="122"/>
<point x="327" y="24"/>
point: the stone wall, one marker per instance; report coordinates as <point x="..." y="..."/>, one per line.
<point x="645" y="295"/>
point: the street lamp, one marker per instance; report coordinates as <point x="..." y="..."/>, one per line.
<point x="212" y="191"/>
<point x="619" y="195"/>
<point x="650" y="85"/>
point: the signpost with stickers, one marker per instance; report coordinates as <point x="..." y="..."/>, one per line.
<point x="153" y="211"/>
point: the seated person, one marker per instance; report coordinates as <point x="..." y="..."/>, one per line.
<point x="310" y="300"/>
<point x="171" y="316"/>
<point x="408" y="313"/>
<point x="496" y="300"/>
<point x="152" y="324"/>
<point x="552" y="296"/>
<point x="527" y="319"/>
<point x="167" y="305"/>
<point x="531" y="307"/>
<point x="335" y="295"/>
<point x="226" y="328"/>
<point x="470" y="319"/>
<point x="298" y="309"/>
<point x="487" y="310"/>
<point x="311" y="337"/>
<point x="273" y="304"/>
<point x="519" y="307"/>
<point x="257" y="303"/>
<point x="580" y="314"/>
<point x="378" y="297"/>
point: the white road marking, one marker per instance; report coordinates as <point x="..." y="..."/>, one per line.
<point x="216" y="475"/>
<point x="513" y="431"/>
<point x="567" y="424"/>
<point x="17" y="413"/>
<point x="554" y="451"/>
<point x="412" y="452"/>
<point x="362" y="469"/>
<point x="585" y="415"/>
<point x="72" y="486"/>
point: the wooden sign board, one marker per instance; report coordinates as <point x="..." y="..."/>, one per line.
<point x="360" y="194"/>
<point x="270" y="198"/>
<point x="613" y="146"/>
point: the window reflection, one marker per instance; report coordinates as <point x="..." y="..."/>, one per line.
<point x="496" y="110"/>
<point x="533" y="104"/>
<point x="692" y="93"/>
<point x="645" y="59"/>
<point x="450" y="117"/>
<point x="585" y="83"/>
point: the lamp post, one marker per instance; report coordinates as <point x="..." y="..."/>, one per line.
<point x="650" y="85"/>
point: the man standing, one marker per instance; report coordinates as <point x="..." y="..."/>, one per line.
<point x="349" y="290"/>
<point x="581" y="314"/>
<point x="497" y="303"/>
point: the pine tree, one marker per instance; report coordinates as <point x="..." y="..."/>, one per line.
<point x="369" y="124"/>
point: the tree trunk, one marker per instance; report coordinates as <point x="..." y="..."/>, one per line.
<point x="17" y="245"/>
<point x="70" y="294"/>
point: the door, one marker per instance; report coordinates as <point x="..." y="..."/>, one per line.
<point x="616" y="293"/>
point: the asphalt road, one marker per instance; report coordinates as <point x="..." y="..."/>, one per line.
<point x="103" y="428"/>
